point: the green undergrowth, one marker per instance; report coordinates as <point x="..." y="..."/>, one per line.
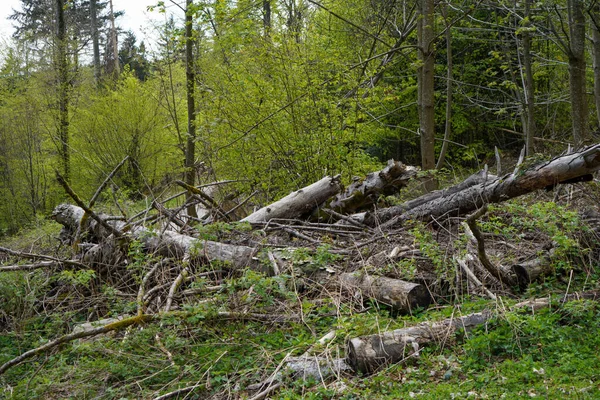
<point x="549" y="353"/>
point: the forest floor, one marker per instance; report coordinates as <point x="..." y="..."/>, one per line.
<point x="219" y="343"/>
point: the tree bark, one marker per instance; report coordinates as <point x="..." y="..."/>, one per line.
<point x="369" y="353"/>
<point x="116" y="68"/>
<point x="402" y="296"/>
<point x="577" y="71"/>
<point x="95" y="39"/>
<point x="529" y="128"/>
<point x="449" y="79"/>
<point x="168" y="243"/>
<point x="595" y="15"/>
<point x="63" y="89"/>
<point x="298" y="203"/>
<point x="570" y="168"/>
<point x="426" y="89"/>
<point x="364" y="193"/>
<point x="190" y="146"/>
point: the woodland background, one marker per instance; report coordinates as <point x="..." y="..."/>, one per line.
<point x="285" y="92"/>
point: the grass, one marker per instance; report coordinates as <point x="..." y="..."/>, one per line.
<point x="551" y="353"/>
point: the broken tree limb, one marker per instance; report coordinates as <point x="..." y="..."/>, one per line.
<point x="402" y="296"/>
<point x="114" y="326"/>
<point x="496" y="272"/>
<point x="561" y="169"/>
<point x="364" y="193"/>
<point x="368" y="353"/>
<point x="298" y="203"/>
<point x="168" y="243"/>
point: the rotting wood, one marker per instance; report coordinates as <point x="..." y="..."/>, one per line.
<point x="562" y="169"/>
<point x="369" y="353"/>
<point x="364" y="193"/>
<point x="167" y="243"/>
<point x="298" y="203"/>
<point x="400" y="295"/>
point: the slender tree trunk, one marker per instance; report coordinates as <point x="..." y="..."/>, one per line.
<point x="95" y="40"/>
<point x="577" y="71"/>
<point x="528" y="85"/>
<point x="113" y="37"/>
<point x="426" y="89"/>
<point x="596" y="56"/>
<point x="63" y="89"/>
<point x="190" y="149"/>
<point x="267" y="16"/>
<point x="449" y="78"/>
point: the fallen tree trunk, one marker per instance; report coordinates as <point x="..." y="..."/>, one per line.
<point x="364" y="193"/>
<point x="168" y="243"/>
<point x="367" y="354"/>
<point x="402" y="296"/>
<point x="298" y="203"/>
<point x="570" y="168"/>
<point x="528" y="271"/>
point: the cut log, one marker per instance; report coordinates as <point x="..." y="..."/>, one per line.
<point x="364" y="193"/>
<point x="298" y="203"/>
<point x="168" y="243"/>
<point x="402" y="296"/>
<point x="367" y="354"/>
<point x="528" y="271"/>
<point x="564" y="169"/>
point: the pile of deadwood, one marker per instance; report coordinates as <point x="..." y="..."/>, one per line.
<point x="362" y="234"/>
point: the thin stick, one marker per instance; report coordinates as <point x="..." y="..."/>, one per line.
<point x="474" y="279"/>
<point x="242" y="203"/>
<point x="41" y="257"/>
<point x="85" y="208"/>
<point x="73" y="336"/>
<point x="108" y="178"/>
<point x="491" y="268"/>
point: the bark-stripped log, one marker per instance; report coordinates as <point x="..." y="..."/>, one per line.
<point x="364" y="193"/>
<point x="564" y="169"/>
<point x="298" y="203"/>
<point x="367" y="354"/>
<point x="168" y="243"/>
<point x="402" y="296"/>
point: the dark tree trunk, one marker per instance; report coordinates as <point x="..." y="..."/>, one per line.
<point x="426" y="89"/>
<point x="63" y="89"/>
<point x="190" y="147"/>
<point x="577" y="71"/>
<point x="95" y="39"/>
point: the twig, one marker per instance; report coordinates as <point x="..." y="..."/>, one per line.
<point x="491" y="268"/>
<point x="178" y="392"/>
<point x="108" y="178"/>
<point x="265" y="392"/>
<point x="29" y="267"/>
<point x="346" y="218"/>
<point x="41" y="257"/>
<point x="474" y="279"/>
<point x="85" y="208"/>
<point x="242" y="203"/>
<point x="203" y="195"/>
<point x="73" y="336"/>
<point x="140" y="296"/>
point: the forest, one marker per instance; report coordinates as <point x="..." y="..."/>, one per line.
<point x="301" y="199"/>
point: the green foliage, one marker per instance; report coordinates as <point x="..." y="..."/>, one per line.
<point x="81" y="277"/>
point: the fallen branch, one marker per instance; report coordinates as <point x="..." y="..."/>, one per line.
<point x="369" y="353"/>
<point x="568" y="168"/>
<point x="298" y="203"/>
